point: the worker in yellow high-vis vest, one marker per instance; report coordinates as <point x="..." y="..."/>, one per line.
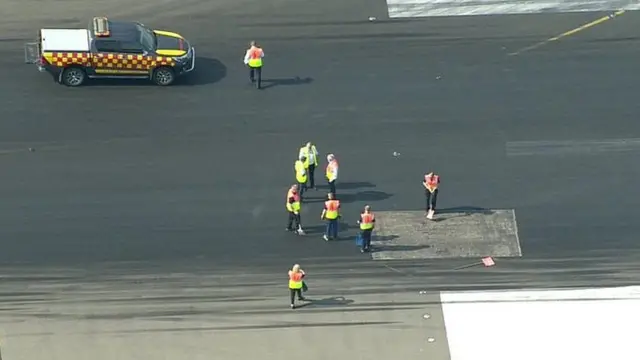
<point x="293" y="208"/>
<point x="310" y="152"/>
<point x="331" y="213"/>
<point x="301" y="174"/>
<point x="332" y="172"/>
<point x="253" y="59"/>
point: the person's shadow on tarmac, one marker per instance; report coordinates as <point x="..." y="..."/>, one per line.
<point x="268" y="83"/>
<point x="331" y="301"/>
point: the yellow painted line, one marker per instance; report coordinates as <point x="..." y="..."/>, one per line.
<point x="570" y="32"/>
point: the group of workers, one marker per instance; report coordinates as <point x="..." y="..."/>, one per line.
<point x="304" y="169"/>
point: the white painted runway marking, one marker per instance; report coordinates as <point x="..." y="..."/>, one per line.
<point x="586" y="324"/>
<point x="434" y="8"/>
<point x="571" y="147"/>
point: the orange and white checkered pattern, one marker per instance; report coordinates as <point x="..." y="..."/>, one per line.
<point x="65" y="58"/>
<point x="131" y="62"/>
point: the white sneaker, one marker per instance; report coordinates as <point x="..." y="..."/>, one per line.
<point x="325" y="237"/>
<point x="300" y="231"/>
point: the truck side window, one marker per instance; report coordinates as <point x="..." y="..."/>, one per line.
<point x="108" y="46"/>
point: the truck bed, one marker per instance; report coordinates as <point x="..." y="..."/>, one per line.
<point x="60" y="40"/>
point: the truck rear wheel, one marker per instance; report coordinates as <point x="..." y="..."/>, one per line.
<point x="164" y="76"/>
<point x="73" y="76"/>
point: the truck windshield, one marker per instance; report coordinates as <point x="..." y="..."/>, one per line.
<point x="147" y="38"/>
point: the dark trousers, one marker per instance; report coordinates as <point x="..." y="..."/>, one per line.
<point x="255" y="74"/>
<point x="332" y="187"/>
<point x="294" y="218"/>
<point x="366" y="238"/>
<point x="293" y="293"/>
<point x="302" y="187"/>
<point x="332" y="229"/>
<point x="431" y="199"/>
<point x="312" y="181"/>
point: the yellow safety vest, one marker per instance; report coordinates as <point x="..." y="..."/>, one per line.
<point x="255" y="57"/>
<point x="332" y="209"/>
<point x="305" y="152"/>
<point x="366" y="225"/>
<point x="301" y="172"/>
<point x="295" y="283"/>
<point x="330" y="167"/>
<point x="294" y="207"/>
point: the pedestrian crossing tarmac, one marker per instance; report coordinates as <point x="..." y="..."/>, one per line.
<point x="432" y="8"/>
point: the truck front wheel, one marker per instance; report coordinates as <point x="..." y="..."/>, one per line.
<point x="164" y="76"/>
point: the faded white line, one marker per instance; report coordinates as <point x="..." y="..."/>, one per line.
<point x="435" y="8"/>
<point x="571" y="147"/>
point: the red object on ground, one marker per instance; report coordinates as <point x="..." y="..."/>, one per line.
<point x="488" y="261"/>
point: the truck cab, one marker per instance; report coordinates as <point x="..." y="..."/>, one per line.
<point x="111" y="49"/>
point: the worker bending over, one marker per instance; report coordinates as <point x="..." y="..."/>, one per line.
<point x="431" y="183"/>
<point x="367" y="223"/>
<point x="293" y="207"/>
<point x="331" y="213"/>
<point x="310" y="152"/>
<point x="332" y="173"/>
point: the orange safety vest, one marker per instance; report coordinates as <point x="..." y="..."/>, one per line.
<point x="366" y="221"/>
<point x="295" y="280"/>
<point x="296" y="201"/>
<point x="255" y="57"/>
<point x="432" y="182"/>
<point x="293" y="194"/>
<point x="332" y="207"/>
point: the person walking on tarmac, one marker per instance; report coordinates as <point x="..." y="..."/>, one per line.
<point x="332" y="173"/>
<point x="331" y="213"/>
<point x="431" y="183"/>
<point x="253" y="59"/>
<point x="310" y="152"/>
<point x="301" y="174"/>
<point x="293" y="207"/>
<point x="296" y="284"/>
<point x="367" y="223"/>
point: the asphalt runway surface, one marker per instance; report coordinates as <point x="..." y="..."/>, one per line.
<point x="136" y="197"/>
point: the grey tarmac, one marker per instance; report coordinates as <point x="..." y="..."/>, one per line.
<point x="149" y="220"/>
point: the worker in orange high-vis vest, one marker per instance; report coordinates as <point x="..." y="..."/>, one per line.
<point x="332" y="172"/>
<point x="431" y="183"/>
<point x="296" y="284"/>
<point x="367" y="223"/>
<point x="293" y="208"/>
<point x="253" y="59"/>
<point x="331" y="213"/>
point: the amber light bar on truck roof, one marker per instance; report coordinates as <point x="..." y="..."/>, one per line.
<point x="101" y="27"/>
